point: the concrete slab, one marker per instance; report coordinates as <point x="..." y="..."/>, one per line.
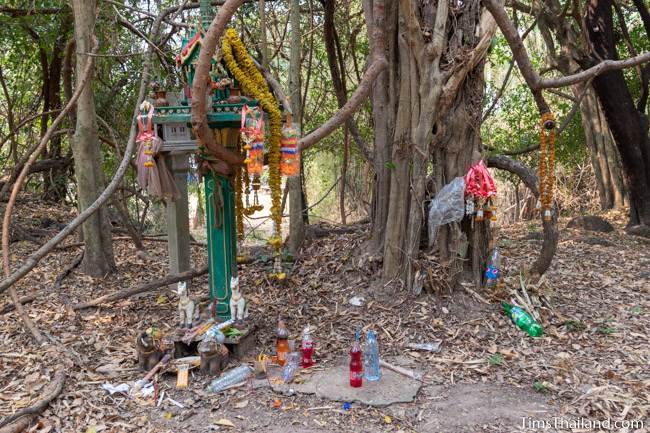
<point x="333" y="384"/>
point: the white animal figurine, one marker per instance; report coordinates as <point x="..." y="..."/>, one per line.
<point x="238" y="305"/>
<point x="185" y="306"/>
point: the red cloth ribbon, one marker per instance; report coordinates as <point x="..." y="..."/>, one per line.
<point x="479" y="182"/>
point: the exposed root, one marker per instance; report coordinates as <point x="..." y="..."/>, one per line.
<point x="21" y="419"/>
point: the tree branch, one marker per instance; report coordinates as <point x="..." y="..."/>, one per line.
<point x="518" y="51"/>
<point x="200" y="84"/>
<point x="551" y="235"/>
<point x="377" y="65"/>
<point x="15" y="12"/>
<point x="30" y="262"/>
<point x="534" y="81"/>
<point x="125" y="293"/>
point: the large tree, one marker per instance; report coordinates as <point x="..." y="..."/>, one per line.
<point x="600" y="64"/>
<point x="627" y="120"/>
<point x="98" y="257"/>
<point x="424" y="107"/>
<point x="566" y="46"/>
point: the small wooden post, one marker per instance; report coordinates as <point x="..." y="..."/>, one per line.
<point x="178" y="219"/>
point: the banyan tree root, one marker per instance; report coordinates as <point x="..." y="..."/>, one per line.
<point x="551" y="235"/>
<point x="21" y="419"/>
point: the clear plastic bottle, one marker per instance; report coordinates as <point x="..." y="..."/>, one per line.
<point x="230" y="378"/>
<point x="291" y="367"/>
<point x="493" y="270"/>
<point x="371" y="369"/>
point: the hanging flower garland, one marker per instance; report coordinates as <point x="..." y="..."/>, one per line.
<point x="239" y="206"/>
<point x="241" y="65"/>
<point x="546" y="163"/>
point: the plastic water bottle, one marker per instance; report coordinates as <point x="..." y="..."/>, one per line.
<point x="230" y="378"/>
<point x="291" y="367"/>
<point x="371" y="371"/>
<point x="523" y="320"/>
<point x="493" y="270"/>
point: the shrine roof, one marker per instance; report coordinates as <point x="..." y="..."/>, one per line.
<point x="189" y="49"/>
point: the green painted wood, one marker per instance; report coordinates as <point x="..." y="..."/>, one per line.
<point x="222" y="241"/>
<point x="223" y="116"/>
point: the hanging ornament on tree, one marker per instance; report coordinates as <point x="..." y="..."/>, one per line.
<point x="252" y="134"/>
<point x="546" y="164"/>
<point x="480" y="191"/>
<point x="145" y="135"/>
<point x="290" y="157"/>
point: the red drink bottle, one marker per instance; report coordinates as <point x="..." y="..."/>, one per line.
<point x="356" y="367"/>
<point x="307" y="348"/>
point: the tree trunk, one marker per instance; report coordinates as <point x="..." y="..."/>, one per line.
<point x="604" y="156"/>
<point x="54" y="182"/>
<point x="384" y="103"/>
<point x="455" y="151"/>
<point x="431" y="95"/>
<point x="605" y="160"/>
<point x="628" y="125"/>
<point x="344" y="174"/>
<point x="98" y="257"/>
<point x="296" y="221"/>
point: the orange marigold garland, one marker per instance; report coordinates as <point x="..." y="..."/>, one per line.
<point x="547" y="135"/>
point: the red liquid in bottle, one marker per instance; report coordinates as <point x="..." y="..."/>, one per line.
<point x="307" y="353"/>
<point x="356" y="368"/>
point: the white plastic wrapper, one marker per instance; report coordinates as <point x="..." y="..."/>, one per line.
<point x="447" y="206"/>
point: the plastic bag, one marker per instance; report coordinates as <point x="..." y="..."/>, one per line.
<point x="447" y="206"/>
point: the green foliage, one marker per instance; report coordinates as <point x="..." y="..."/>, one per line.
<point x="514" y="122"/>
<point x="541" y="387"/>
<point x="575" y="325"/>
<point x="496" y="359"/>
<point x="605" y="328"/>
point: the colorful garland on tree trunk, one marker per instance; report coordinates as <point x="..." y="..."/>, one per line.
<point x="546" y="164"/>
<point x="241" y="65"/>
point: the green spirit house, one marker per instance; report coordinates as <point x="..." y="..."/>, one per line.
<point x="172" y="123"/>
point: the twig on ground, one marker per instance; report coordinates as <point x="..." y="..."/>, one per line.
<point x="11" y="307"/>
<point x="68" y="269"/>
<point x="125" y="293"/>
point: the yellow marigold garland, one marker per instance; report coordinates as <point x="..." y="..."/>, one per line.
<point x="241" y="65"/>
<point x="546" y="164"/>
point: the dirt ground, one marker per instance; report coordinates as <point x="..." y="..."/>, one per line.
<point x="592" y="364"/>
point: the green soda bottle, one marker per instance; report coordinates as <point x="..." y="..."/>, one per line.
<point x="523" y="320"/>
